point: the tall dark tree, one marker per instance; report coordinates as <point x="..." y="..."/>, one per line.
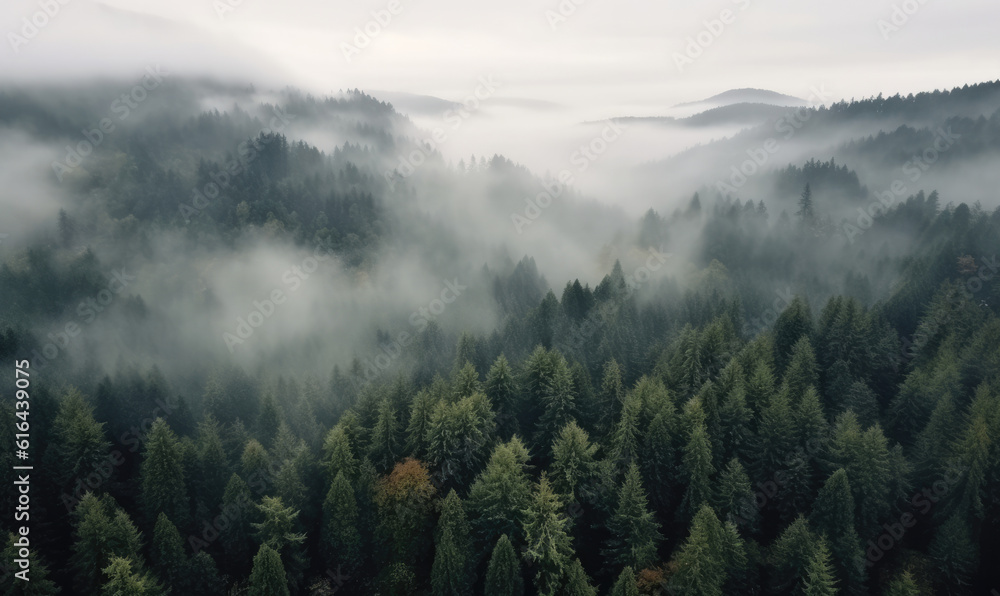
<point x="503" y="574"/>
<point x="634" y="531"/>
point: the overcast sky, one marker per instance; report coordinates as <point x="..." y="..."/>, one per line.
<point x="604" y="57"/>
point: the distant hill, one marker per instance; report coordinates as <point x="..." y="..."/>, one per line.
<point x="736" y="96"/>
<point x="746" y="114"/>
<point x="413" y="104"/>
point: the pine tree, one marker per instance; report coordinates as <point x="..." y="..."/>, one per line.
<point x="340" y="541"/>
<point x="38" y="584"/>
<point x="212" y="463"/>
<point x="79" y="445"/>
<point x="454" y="553"/>
<point x="791" y="554"/>
<point x="866" y="458"/>
<point x="163" y="486"/>
<point x="457" y="438"/>
<point x="167" y="553"/>
<point x="955" y="554"/>
<point x="338" y="454"/>
<point x="697" y="472"/>
<point x="558" y="403"/>
<point x="861" y="400"/>
<point x="276" y="530"/>
<point x="819" y="580"/>
<point x="736" y="420"/>
<point x="255" y="465"/>
<point x="421" y="411"/>
<point x="501" y="493"/>
<point x="737" y="502"/>
<point x="573" y="459"/>
<point x="102" y="532"/>
<point x="833" y="516"/>
<point x="466" y="381"/>
<point x="794" y="323"/>
<point x="203" y="576"/>
<point x="658" y="458"/>
<point x="904" y="585"/>
<point x="548" y="547"/>
<point x="802" y="371"/>
<point x="577" y="582"/>
<point x="501" y="388"/>
<point x="806" y="213"/>
<point x="626" y="434"/>
<point x="700" y="567"/>
<point x="612" y="391"/>
<point x="448" y="574"/>
<point x="268" y="575"/>
<point x="634" y="531"/>
<point x="384" y="448"/>
<point x="268" y="420"/>
<point x="503" y="574"/>
<point x="290" y="487"/>
<point x="122" y="581"/>
<point x="237" y="502"/>
<point x="626" y="585"/>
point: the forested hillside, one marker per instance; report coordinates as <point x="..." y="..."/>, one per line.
<point x="739" y="396"/>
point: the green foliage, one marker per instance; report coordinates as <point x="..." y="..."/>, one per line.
<point x="340" y="540"/>
<point x="501" y="388"/>
<point x="122" y="581"/>
<point x="832" y="516"/>
<point x="625" y="585"/>
<point x="501" y="493"/>
<point x="577" y="582"/>
<point x="102" y="532"/>
<point x="167" y="553"/>
<point x="697" y="472"/>
<point x="503" y="574"/>
<point x="904" y="585"/>
<point x="385" y="443"/>
<point x="955" y="554"/>
<point x="700" y="563"/>
<point x="548" y="546"/>
<point x="39" y="583"/>
<point x="268" y="575"/>
<point x="572" y="458"/>
<point x="634" y="532"/>
<point x="819" y="580"/>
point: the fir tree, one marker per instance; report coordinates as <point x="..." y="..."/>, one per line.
<point x="38" y="584"/>
<point x="122" y="581"/>
<point x="791" y="555"/>
<point x="819" y="580"/>
<point x="697" y="472"/>
<point x="163" y="482"/>
<point x="833" y="516"/>
<point x="625" y="585"/>
<point x="573" y="459"/>
<point x="955" y="554"/>
<point x="501" y="388"/>
<point x="501" y="493"/>
<point x="634" y="531"/>
<point x="577" y="582"/>
<point x="700" y="567"/>
<point x="548" y="547"/>
<point x="737" y="502"/>
<point x="503" y="574"/>
<point x="268" y="575"/>
<point x="340" y="540"/>
<point x="167" y="553"/>
<point x="903" y="585"/>
<point x="384" y="448"/>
